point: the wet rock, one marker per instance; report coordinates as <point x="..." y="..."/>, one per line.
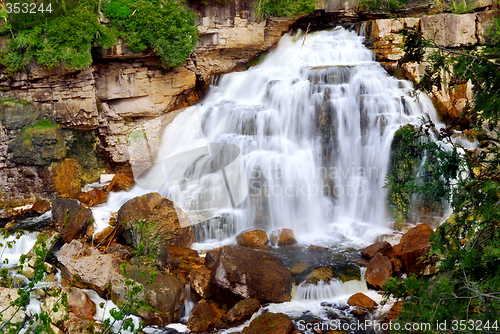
<point x="165" y="295"/>
<point x="320" y="274"/>
<point x="299" y="268"/>
<point x="201" y="282"/>
<point x="283" y="237"/>
<point x="79" y="303"/>
<point x="255" y="239"/>
<point x="313" y="248"/>
<point x="242" y="311"/>
<point x="211" y="258"/>
<point x="163" y="223"/>
<point x="41" y="207"/>
<point x="203" y="317"/>
<point x="378" y="271"/>
<point x="70" y="218"/>
<point x="398" y="250"/>
<point x="270" y="323"/>
<point x="383" y="248"/>
<point x="92" y="197"/>
<point x="104" y="236"/>
<point x="361" y="300"/>
<point x="415" y="248"/>
<point x="250" y="273"/>
<point x="179" y="261"/>
<point x="86" y="267"/>
<point x="120" y="182"/>
<point x="397" y="266"/>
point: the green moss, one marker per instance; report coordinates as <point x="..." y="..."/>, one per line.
<point x="43" y="125"/>
<point x="265" y="9"/>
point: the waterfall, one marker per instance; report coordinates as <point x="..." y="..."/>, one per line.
<point x="314" y="123"/>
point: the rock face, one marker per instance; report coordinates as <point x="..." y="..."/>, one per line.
<point x="201" y="282"/>
<point x="79" y="303"/>
<point x="378" y="271"/>
<point x="70" y="218"/>
<point x="254" y="239"/>
<point x="165" y="223"/>
<point x="415" y="247"/>
<point x="270" y="323"/>
<point x="249" y="273"/>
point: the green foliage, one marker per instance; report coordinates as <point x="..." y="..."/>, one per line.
<point x="265" y="9"/>
<point x="465" y="292"/>
<point x="460" y="6"/>
<point x="379" y="4"/>
<point x="165" y="27"/>
<point x="64" y="36"/>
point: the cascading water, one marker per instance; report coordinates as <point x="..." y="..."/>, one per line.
<point x="314" y="123"/>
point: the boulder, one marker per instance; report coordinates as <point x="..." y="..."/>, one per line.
<point x="7" y="297"/>
<point x="79" y="303"/>
<point x="201" y="282"/>
<point x="397" y="266"/>
<point x="120" y="182"/>
<point x="254" y="239"/>
<point x="203" y="317"/>
<point x="250" y="273"/>
<point x="101" y="237"/>
<point x="120" y="251"/>
<point x="41" y="207"/>
<point x="299" y="268"/>
<point x="154" y="220"/>
<point x="165" y="294"/>
<point x="79" y="324"/>
<point x="383" y="248"/>
<point x="313" y="248"/>
<point x="211" y="258"/>
<point x="70" y="218"/>
<point x="92" y="197"/>
<point x="320" y="274"/>
<point x="395" y="310"/>
<point x="378" y="271"/>
<point x="270" y="323"/>
<point x="242" y="311"/>
<point x="415" y="248"/>
<point x="179" y="261"/>
<point x="86" y="267"/>
<point x="283" y="237"/>
<point x="66" y="177"/>
<point x="361" y="300"/>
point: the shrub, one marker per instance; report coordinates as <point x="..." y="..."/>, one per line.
<point x="267" y="8"/>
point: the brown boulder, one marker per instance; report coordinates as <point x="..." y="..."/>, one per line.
<point x="120" y="251"/>
<point x="154" y="220"/>
<point x="93" y="197"/>
<point x="165" y="294"/>
<point x="70" y="218"/>
<point x="415" y="248"/>
<point x="242" y="311"/>
<point x="255" y="239"/>
<point x="398" y="249"/>
<point x="179" y="261"/>
<point x="383" y="248"/>
<point x="313" y="248"/>
<point x="211" y="258"/>
<point x="250" y="273"/>
<point x="104" y="235"/>
<point x="120" y="182"/>
<point x="203" y="317"/>
<point x="378" y="271"/>
<point x="79" y="303"/>
<point x="361" y="300"/>
<point x="78" y="324"/>
<point x="320" y="274"/>
<point x="201" y="282"/>
<point x="270" y="323"/>
<point x="397" y="266"/>
<point x="41" y="207"/>
<point x="283" y="237"/>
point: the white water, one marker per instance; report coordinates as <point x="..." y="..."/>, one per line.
<point x="274" y="112"/>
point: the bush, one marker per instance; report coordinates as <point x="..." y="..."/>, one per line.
<point x="266" y="8"/>
<point x="167" y="28"/>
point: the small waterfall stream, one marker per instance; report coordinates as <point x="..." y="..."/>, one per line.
<point x="314" y="123"/>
